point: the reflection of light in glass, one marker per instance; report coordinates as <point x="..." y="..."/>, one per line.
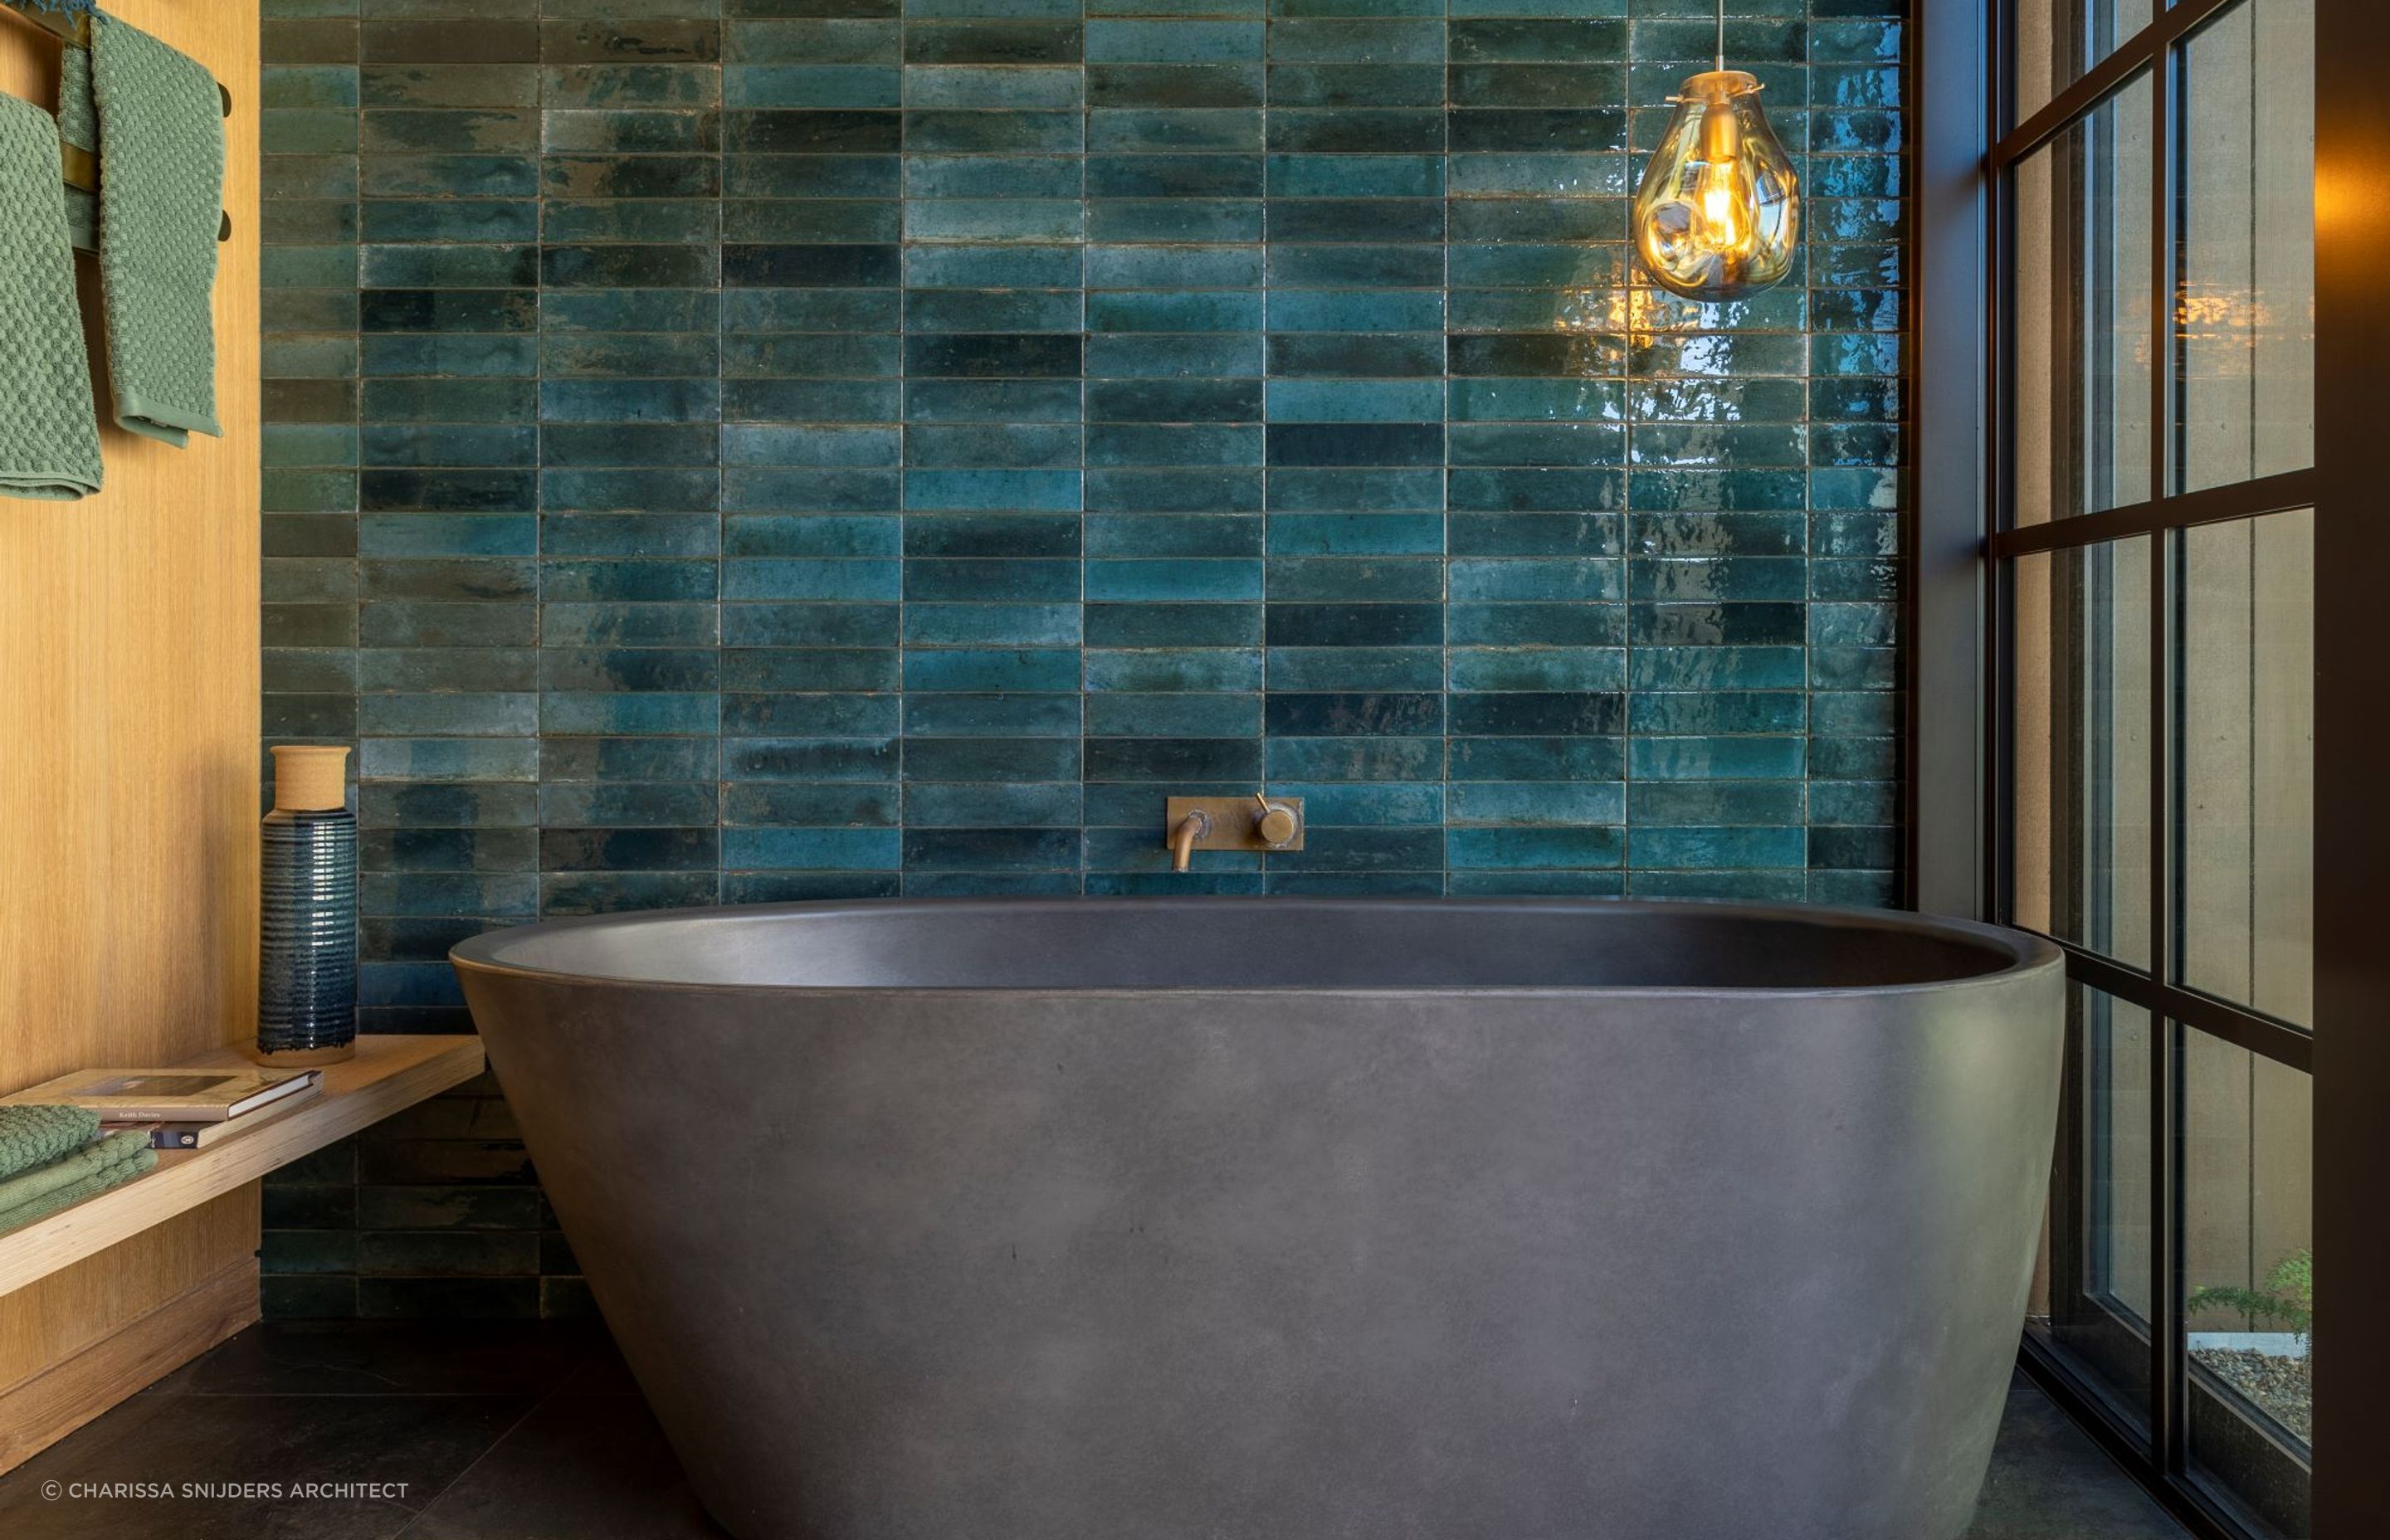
<point x="2232" y="314"/>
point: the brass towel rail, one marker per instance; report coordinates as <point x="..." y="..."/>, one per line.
<point x="72" y="28"/>
<point x="77" y="165"/>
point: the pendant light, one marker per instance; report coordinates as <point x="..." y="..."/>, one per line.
<point x="1718" y="213"/>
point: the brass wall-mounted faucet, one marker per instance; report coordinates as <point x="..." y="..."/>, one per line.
<point x="1182" y="837"/>
<point x="1231" y="823"/>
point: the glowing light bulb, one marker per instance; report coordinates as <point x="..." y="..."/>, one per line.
<point x="1722" y="210"/>
<point x="1718" y="213"/>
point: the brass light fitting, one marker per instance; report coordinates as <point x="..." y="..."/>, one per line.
<point x="1718" y="213"/>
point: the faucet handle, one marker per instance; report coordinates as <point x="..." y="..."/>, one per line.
<point x="1277" y="825"/>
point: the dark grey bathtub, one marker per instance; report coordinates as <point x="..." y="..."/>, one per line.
<point x="1221" y="1219"/>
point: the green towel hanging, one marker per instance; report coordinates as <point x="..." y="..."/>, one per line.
<point x="155" y="119"/>
<point x="49" y="434"/>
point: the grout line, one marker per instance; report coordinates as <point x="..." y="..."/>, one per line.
<point x="1628" y="284"/>
<point x="539" y="648"/>
<point x="720" y="115"/>
<point x="899" y="787"/>
<point x="1807" y="258"/>
<point x="1087" y="142"/>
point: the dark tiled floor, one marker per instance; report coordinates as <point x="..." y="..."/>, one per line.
<point x="528" y="1431"/>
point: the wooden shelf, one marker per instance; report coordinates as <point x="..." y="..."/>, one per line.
<point x="387" y="1073"/>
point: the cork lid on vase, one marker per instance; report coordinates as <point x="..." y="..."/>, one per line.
<point x="310" y="777"/>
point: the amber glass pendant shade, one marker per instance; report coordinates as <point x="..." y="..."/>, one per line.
<point x="1718" y="214"/>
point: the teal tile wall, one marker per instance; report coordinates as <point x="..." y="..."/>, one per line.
<point x="729" y="450"/>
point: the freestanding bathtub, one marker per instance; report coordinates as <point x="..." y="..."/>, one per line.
<point x="1227" y="1219"/>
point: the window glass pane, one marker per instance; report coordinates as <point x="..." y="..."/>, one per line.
<point x="2082" y="768"/>
<point x="2249" y="1266"/>
<point x="2245" y="312"/>
<point x="2079" y="388"/>
<point x="2057" y="41"/>
<point x="2247" y="762"/>
<point x="2093" y="1297"/>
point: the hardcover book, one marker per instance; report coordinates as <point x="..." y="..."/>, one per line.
<point x="198" y="1135"/>
<point x="171" y="1096"/>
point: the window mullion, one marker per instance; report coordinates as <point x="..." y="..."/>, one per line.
<point x="2167" y="1370"/>
<point x="2281" y="493"/>
<point x="2102" y="79"/>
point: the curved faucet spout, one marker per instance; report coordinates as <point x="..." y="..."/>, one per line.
<point x="1182" y="839"/>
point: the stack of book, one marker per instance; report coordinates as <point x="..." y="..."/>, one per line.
<point x="180" y="1109"/>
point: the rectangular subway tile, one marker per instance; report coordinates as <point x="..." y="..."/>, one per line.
<point x="845" y="449"/>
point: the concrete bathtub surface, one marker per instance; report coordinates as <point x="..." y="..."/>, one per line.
<point x="1272" y="1219"/>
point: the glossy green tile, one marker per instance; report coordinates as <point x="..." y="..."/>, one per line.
<point x="735" y="453"/>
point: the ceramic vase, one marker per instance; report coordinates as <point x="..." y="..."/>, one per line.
<point x="307" y="936"/>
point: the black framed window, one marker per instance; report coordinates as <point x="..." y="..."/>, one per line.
<point x="2150" y="587"/>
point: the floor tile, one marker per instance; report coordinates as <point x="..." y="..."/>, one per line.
<point x="393" y="1357"/>
<point x="536" y="1432"/>
<point x="2049" y="1482"/>
<point x="580" y="1467"/>
<point x="413" y="1446"/>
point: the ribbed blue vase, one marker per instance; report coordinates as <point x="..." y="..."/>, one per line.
<point x="307" y="922"/>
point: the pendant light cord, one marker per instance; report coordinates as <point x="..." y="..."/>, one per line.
<point x="1721" y="35"/>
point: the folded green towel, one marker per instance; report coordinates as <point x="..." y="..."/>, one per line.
<point x="128" y="1146"/>
<point x="113" y="1161"/>
<point x="49" y="439"/>
<point x="158" y="126"/>
<point x="37" y="1133"/>
<point x="83" y="220"/>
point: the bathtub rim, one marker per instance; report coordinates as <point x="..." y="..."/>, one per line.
<point x="2028" y="953"/>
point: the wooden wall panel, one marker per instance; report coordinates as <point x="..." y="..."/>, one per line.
<point x="128" y="757"/>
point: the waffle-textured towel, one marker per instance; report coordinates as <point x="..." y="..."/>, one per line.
<point x="75" y="1192"/>
<point x="79" y="126"/>
<point x="37" y="1133"/>
<point x="94" y="1168"/>
<point x="49" y="439"/>
<point x="157" y="123"/>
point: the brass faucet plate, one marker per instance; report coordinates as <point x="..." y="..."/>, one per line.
<point x="1232" y="821"/>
